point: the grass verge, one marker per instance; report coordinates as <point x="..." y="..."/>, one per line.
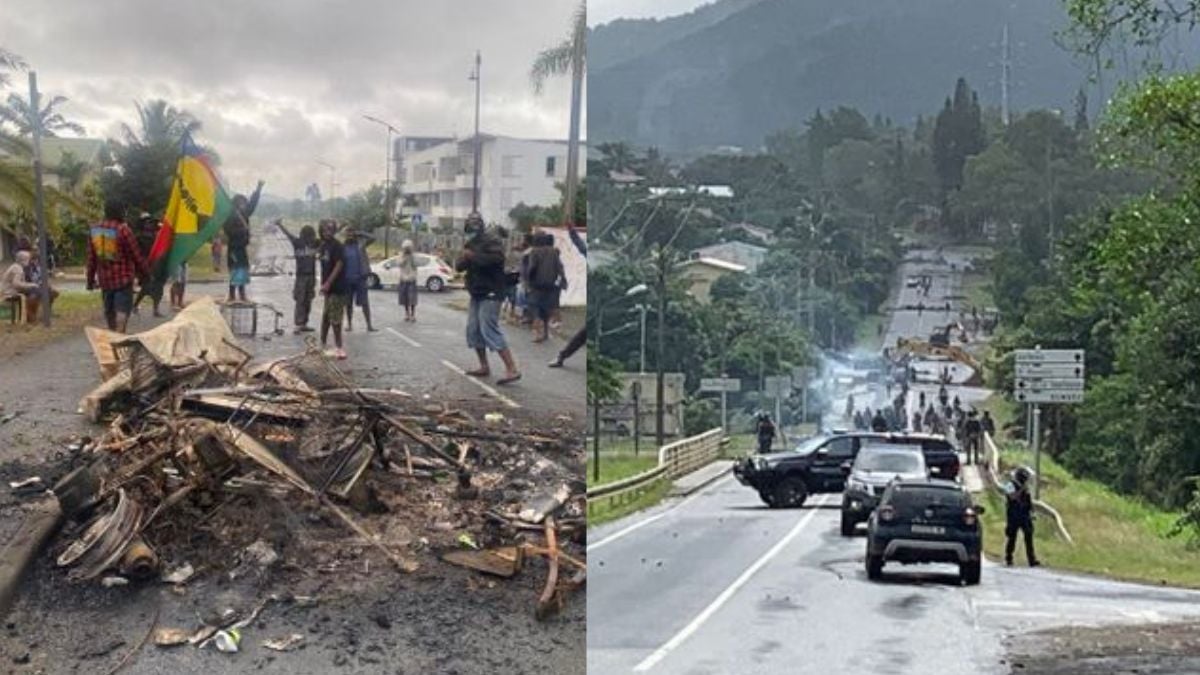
<point x="1115" y="536"/>
<point x="72" y="311"/>
<point x="608" y="510"/>
<point x="616" y="466"/>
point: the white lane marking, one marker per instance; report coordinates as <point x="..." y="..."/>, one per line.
<point x="646" y="521"/>
<point x="404" y="337"/>
<point x="682" y="636"/>
<point x="489" y="389"/>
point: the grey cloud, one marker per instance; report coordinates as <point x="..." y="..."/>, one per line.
<point x="278" y="84"/>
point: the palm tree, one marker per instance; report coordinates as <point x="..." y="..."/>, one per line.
<point x="9" y="61"/>
<point x="18" y="112"/>
<point x="160" y="123"/>
<point x="568" y="56"/>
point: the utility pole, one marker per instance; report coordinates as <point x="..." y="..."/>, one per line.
<point x="661" y="288"/>
<point x="478" y="143"/>
<point x="35" y="123"/>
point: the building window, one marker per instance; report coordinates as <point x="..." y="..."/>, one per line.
<point x="509" y="166"/>
<point x="551" y="166"/>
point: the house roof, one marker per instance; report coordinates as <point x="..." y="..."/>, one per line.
<point x="727" y="244"/>
<point x="86" y="150"/>
<point x="713" y="262"/>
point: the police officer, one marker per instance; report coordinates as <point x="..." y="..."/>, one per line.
<point x="1020" y="518"/>
<point x="974" y="434"/>
<point x="879" y="423"/>
<point x="765" y="432"/>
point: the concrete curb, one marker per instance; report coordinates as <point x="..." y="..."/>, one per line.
<point x="681" y="491"/>
<point x="18" y="554"/>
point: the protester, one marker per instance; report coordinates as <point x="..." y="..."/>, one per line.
<point x="1019" y="517"/>
<point x="146" y="232"/>
<point x="879" y="423"/>
<point x="237" y="233"/>
<point x="113" y="262"/>
<point x="765" y="431"/>
<point x="580" y="337"/>
<point x="916" y="422"/>
<point x="178" y="286"/>
<point x="15" y="284"/>
<point x="334" y="287"/>
<point x="545" y="271"/>
<point x="216" y="253"/>
<point x="988" y="424"/>
<point x="482" y="261"/>
<point x="523" y="288"/>
<point x="407" y="288"/>
<point x="973" y="432"/>
<point x="358" y="267"/>
<point x="305" y="248"/>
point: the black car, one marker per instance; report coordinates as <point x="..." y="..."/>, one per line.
<point x="924" y="521"/>
<point x="785" y="479"/>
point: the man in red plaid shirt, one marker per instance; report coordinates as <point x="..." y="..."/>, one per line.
<point x="114" y="261"/>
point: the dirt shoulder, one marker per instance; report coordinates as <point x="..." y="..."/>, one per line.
<point x="1147" y="649"/>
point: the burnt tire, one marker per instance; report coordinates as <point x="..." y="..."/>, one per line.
<point x="791" y="492"/>
<point x="848" y="524"/>
<point x="874" y="567"/>
<point x="968" y="572"/>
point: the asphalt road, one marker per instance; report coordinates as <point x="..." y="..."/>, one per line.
<point x="718" y="583"/>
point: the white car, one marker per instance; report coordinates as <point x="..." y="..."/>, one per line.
<point x="432" y="272"/>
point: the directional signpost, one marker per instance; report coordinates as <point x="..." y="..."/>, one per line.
<point x="1046" y="376"/>
<point x="723" y="385"/>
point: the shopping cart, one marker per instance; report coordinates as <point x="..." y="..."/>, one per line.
<point x="242" y="317"/>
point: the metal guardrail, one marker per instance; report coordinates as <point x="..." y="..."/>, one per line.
<point x="992" y="476"/>
<point x="674" y="460"/>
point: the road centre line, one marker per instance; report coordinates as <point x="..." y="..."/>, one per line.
<point x="646" y="521"/>
<point x="687" y="631"/>
<point x="404" y="337"/>
<point x="487" y="388"/>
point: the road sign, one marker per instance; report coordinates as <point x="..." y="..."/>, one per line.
<point x="1055" y="370"/>
<point x="729" y="384"/>
<point x="1034" y="384"/>
<point x="803" y="374"/>
<point x="778" y="386"/>
<point x="1049" y="396"/>
<point x="1049" y="355"/>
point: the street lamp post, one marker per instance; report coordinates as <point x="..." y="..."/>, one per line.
<point x="634" y="290"/>
<point x="387" y="181"/>
<point x="475" y="77"/>
<point x="332" y="186"/>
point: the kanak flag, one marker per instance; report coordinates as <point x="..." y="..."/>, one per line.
<point x="198" y="207"/>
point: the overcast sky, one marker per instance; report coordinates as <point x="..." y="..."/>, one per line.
<point x="277" y="88"/>
<point x="603" y="11"/>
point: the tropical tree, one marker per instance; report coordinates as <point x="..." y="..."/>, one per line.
<point x="160" y="123"/>
<point x="567" y="57"/>
<point x="18" y="112"/>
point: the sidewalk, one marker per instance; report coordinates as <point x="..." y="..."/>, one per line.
<point x="702" y="477"/>
<point x="972" y="478"/>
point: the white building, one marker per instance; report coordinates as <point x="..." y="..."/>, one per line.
<point x="736" y="252"/>
<point x="512" y="171"/>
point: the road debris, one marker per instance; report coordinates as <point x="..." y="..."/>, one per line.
<point x="32" y="481"/>
<point x="286" y="466"/>
<point x="171" y="637"/>
<point x="284" y="644"/>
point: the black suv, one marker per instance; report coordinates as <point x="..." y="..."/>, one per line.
<point x="785" y="479"/>
<point x="924" y="521"/>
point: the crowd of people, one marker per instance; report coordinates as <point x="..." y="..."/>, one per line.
<point x="941" y="416"/>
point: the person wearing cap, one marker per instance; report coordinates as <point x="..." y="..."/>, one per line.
<point x="1019" y="517"/>
<point x="482" y="262"/>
